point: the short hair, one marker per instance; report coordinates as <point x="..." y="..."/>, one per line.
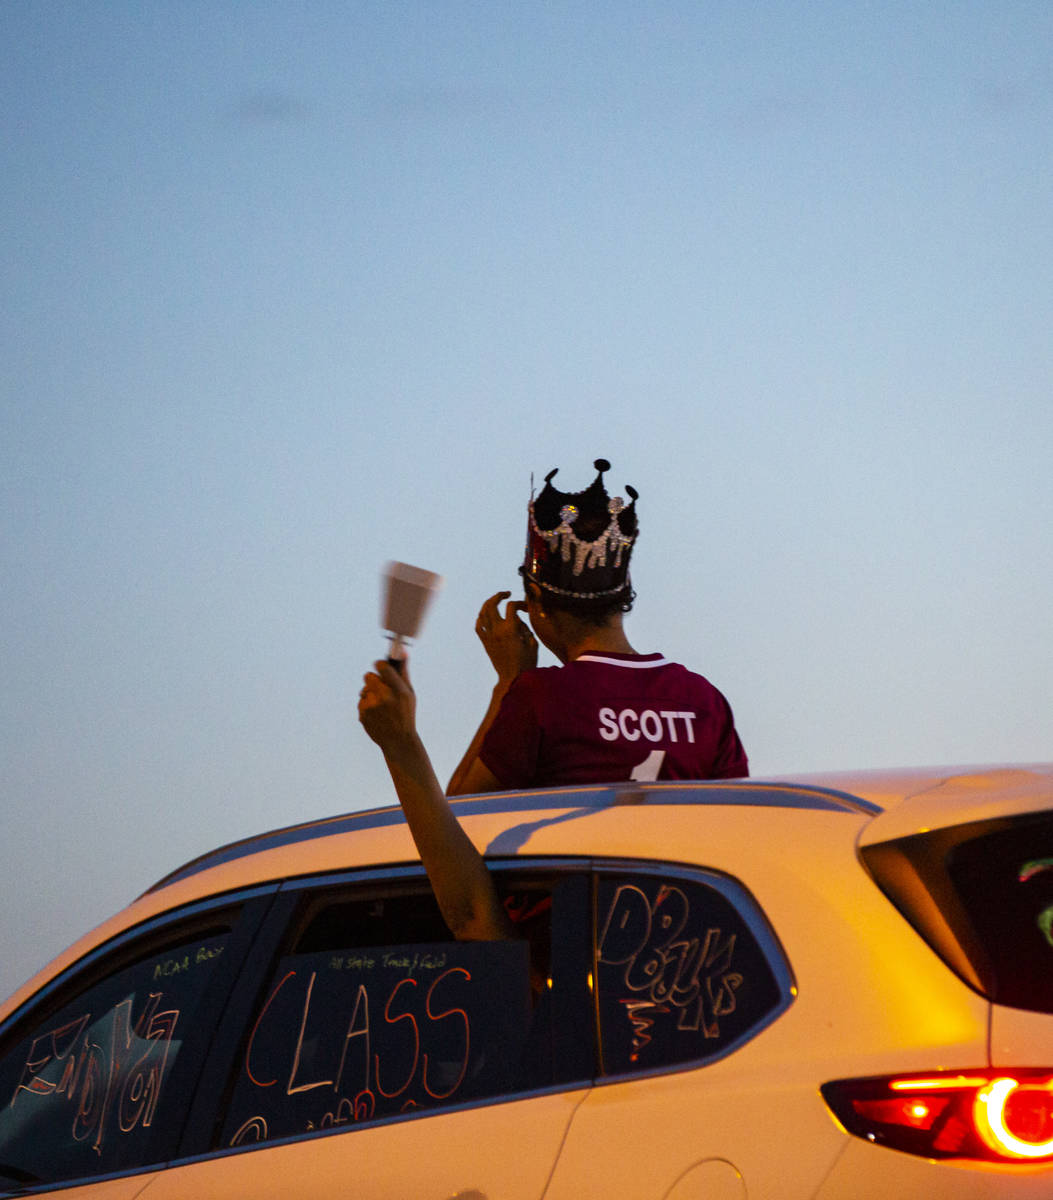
<point x="593" y="610"/>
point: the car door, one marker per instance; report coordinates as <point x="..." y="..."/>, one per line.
<point x="126" y="1187"/>
<point x="376" y="1057"/>
<point x="687" y="973"/>
<point x="504" y="1150"/>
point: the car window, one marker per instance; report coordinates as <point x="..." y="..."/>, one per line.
<point x="89" y="1084"/>
<point x="981" y="895"/>
<point x="1003" y="876"/>
<point x="350" y="1034"/>
<point x="371" y="1010"/>
<point x="681" y="973"/>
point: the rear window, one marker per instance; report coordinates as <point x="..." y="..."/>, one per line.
<point x="981" y="894"/>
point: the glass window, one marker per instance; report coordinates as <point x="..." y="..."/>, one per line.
<point x="372" y="1010"/>
<point x="87" y="1088"/>
<point x="981" y="895"/>
<point x="1004" y="878"/>
<point x="681" y="976"/>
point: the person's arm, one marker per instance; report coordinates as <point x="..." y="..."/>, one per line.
<point x="459" y="877"/>
<point x="511" y="648"/>
<point x="472" y="774"/>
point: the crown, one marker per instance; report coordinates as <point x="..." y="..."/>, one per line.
<point x="579" y="543"/>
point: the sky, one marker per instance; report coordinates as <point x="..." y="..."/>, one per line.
<point x="294" y="289"/>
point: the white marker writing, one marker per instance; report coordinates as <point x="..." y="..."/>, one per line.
<point x="629" y="725"/>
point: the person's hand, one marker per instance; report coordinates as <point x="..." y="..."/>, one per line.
<point x="507" y="640"/>
<point x="387" y="705"/>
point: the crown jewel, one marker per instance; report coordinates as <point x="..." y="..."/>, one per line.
<point x="579" y="543"/>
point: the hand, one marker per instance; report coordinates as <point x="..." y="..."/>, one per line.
<point x="387" y="705"/>
<point x="511" y="646"/>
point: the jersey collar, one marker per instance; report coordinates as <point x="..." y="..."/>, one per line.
<point x="636" y="661"/>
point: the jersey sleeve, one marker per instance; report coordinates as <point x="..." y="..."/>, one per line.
<point x="510" y="747"/>
<point x="730" y="761"/>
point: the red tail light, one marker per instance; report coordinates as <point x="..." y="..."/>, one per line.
<point x="999" y="1116"/>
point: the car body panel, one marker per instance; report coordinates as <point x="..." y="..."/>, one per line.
<point x="711" y="1179"/>
<point x="502" y="1150"/>
<point x="770" y="1125"/>
<point x="956" y="797"/>
<point x="866" y="1172"/>
<point x="1020" y="1038"/>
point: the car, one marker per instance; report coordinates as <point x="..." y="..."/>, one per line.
<point x="834" y="987"/>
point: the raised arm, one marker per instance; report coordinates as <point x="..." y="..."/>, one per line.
<point x="512" y="648"/>
<point x="459" y="877"/>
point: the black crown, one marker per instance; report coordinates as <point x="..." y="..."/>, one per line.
<point x="579" y="543"/>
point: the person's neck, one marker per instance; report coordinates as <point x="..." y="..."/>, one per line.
<point x="605" y="640"/>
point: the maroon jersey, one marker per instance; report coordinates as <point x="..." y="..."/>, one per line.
<point x="606" y="717"/>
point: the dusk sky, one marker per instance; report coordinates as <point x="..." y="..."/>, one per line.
<point x="293" y="289"/>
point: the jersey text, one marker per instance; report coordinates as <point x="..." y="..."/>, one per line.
<point x="630" y="726"/>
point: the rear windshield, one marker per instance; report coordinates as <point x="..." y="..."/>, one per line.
<point x="982" y="896"/>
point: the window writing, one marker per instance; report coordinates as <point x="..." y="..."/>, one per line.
<point x="83" y="1091"/>
<point x="351" y="1034"/>
<point x="680" y="977"/>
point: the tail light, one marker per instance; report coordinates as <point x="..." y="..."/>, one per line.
<point x="999" y="1116"/>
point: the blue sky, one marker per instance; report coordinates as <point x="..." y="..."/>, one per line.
<point x="295" y="289"/>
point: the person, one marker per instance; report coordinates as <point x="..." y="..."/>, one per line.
<point x="606" y="713"/>
<point x="589" y="720"/>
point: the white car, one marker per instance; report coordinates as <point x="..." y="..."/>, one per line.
<point x="835" y="988"/>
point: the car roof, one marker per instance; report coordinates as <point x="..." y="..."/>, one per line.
<point x="897" y="802"/>
<point x="723" y="793"/>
